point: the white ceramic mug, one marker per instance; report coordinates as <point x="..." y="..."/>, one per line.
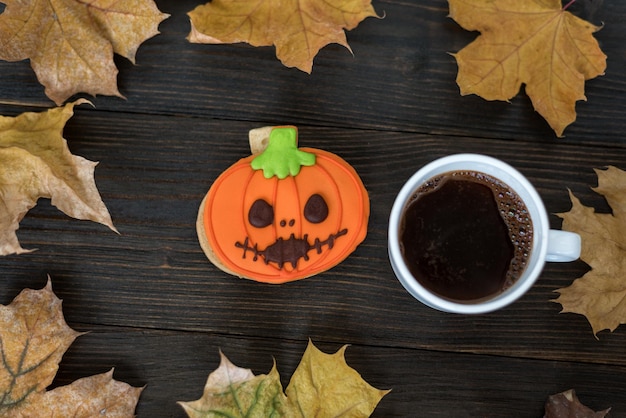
<point x="548" y="244"/>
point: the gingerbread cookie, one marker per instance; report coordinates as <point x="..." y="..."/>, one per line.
<point x="283" y="214"/>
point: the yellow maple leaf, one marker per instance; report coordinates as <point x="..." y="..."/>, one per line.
<point x="600" y="295"/>
<point x="323" y="386"/>
<point x="35" y="162"/>
<point x="33" y="338"/>
<point x="71" y="44"/>
<point x="537" y="43"/>
<point x="298" y="29"/>
<point x="324" y="383"/>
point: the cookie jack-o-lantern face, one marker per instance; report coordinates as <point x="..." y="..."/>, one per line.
<point x="285" y="214"/>
<point x="298" y="244"/>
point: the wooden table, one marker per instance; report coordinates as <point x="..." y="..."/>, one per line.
<point x="158" y="312"/>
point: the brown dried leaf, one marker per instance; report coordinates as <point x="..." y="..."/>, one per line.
<point x="71" y="44"/>
<point x="35" y="162"/>
<point x="567" y="405"/>
<point x="92" y="396"/>
<point x="600" y="294"/>
<point x="33" y="338"/>
<point x="537" y="43"/>
<point x="298" y="29"/>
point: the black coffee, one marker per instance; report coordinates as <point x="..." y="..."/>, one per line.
<point x="466" y="235"/>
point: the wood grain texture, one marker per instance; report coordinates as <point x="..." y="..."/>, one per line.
<point x="400" y="77"/>
<point x="158" y="311"/>
<point x="426" y="383"/>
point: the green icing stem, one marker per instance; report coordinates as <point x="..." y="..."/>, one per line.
<point x="282" y="157"/>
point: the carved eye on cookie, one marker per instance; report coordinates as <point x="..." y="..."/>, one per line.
<point x="316" y="209"/>
<point x="261" y="213"/>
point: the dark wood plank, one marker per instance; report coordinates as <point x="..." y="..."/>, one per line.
<point x="422" y="383"/>
<point x="155" y="275"/>
<point x="158" y="311"/>
<point x="401" y="77"/>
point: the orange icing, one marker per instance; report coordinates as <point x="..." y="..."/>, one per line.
<point x="245" y="249"/>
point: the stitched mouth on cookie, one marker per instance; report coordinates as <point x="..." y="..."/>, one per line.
<point x="289" y="250"/>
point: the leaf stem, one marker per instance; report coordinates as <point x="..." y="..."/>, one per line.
<point x="569" y="4"/>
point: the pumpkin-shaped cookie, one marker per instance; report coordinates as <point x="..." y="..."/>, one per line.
<point x="284" y="214"/>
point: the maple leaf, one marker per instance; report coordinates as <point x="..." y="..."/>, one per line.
<point x="323" y="385"/>
<point x="298" y="29"/>
<point x="71" y="44"/>
<point x="537" y="43"/>
<point x="600" y="294"/>
<point x="36" y="162"/>
<point x="236" y="392"/>
<point x="567" y="405"/>
<point x="33" y="338"/>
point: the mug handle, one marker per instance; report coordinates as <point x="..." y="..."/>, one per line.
<point x="563" y="246"/>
